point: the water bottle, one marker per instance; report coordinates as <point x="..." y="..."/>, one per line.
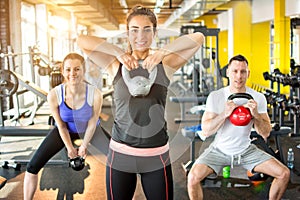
<point x="290" y="158"/>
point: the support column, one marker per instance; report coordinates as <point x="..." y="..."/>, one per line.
<point x="4" y="42"/>
<point x="281" y="37"/>
<point x="242" y="15"/>
<point x="4" y="29"/>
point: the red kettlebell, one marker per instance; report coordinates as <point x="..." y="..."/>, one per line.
<point x="241" y="116"/>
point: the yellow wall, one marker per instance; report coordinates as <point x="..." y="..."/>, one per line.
<point x="253" y="40"/>
<point x="242" y="28"/>
<point x="223" y="48"/>
<point x="209" y="21"/>
<point x="260" y="53"/>
<point x="281" y="37"/>
<point x="281" y="41"/>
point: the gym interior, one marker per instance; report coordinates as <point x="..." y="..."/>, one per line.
<point x="35" y="35"/>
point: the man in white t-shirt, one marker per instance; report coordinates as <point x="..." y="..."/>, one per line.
<point x="232" y="145"/>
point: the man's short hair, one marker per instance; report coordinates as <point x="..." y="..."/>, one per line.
<point x="239" y="57"/>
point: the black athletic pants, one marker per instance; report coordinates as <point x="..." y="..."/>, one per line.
<point x="53" y="143"/>
<point x="155" y="173"/>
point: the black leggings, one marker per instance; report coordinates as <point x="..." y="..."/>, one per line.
<point x="121" y="176"/>
<point x="53" y="143"/>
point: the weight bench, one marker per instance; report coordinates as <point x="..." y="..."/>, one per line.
<point x="182" y="101"/>
<point x="193" y="137"/>
<point x="31" y="131"/>
<point x="276" y="133"/>
<point x="32" y="87"/>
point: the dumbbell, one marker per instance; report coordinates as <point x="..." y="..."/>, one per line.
<point x="56" y="78"/>
<point x="44" y="71"/>
<point x="16" y="166"/>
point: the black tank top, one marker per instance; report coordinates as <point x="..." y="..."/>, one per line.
<point x="140" y="121"/>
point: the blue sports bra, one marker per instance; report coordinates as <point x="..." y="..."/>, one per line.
<point x="76" y="119"/>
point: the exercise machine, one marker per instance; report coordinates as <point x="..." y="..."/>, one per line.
<point x="9" y="84"/>
<point x="203" y="82"/>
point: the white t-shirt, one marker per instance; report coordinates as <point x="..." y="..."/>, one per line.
<point x="231" y="139"/>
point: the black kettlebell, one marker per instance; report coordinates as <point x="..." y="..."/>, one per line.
<point x="77" y="163"/>
<point x="240" y="116"/>
<point x="257" y="177"/>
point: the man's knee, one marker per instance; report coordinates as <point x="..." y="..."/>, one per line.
<point x="192" y="179"/>
<point x="285" y="173"/>
<point x="197" y="174"/>
<point x="278" y="170"/>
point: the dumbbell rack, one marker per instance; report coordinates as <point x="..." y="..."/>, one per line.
<point x="11" y="164"/>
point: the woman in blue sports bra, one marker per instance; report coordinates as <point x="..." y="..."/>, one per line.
<point x="75" y="106"/>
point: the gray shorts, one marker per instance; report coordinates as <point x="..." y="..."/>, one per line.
<point x="248" y="159"/>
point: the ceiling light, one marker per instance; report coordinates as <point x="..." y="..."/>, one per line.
<point x="159" y="3"/>
<point x="156" y="10"/>
<point x="123" y="3"/>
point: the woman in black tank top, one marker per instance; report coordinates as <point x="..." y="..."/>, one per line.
<point x="139" y="142"/>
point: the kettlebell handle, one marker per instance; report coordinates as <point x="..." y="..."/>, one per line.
<point x="140" y="62"/>
<point x="240" y="95"/>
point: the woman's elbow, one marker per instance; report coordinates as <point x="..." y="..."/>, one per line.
<point x="199" y="38"/>
<point x="80" y="41"/>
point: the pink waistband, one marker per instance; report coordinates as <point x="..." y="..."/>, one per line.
<point x="128" y="150"/>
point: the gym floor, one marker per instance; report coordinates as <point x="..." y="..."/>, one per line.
<point x="58" y="181"/>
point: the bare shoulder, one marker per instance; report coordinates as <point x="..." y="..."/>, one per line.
<point x="52" y="97"/>
<point x="51" y="94"/>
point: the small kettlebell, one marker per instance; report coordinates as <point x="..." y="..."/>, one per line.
<point x="77" y="163"/>
<point x="257" y="177"/>
<point x="241" y="116"/>
<point x="139" y="85"/>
